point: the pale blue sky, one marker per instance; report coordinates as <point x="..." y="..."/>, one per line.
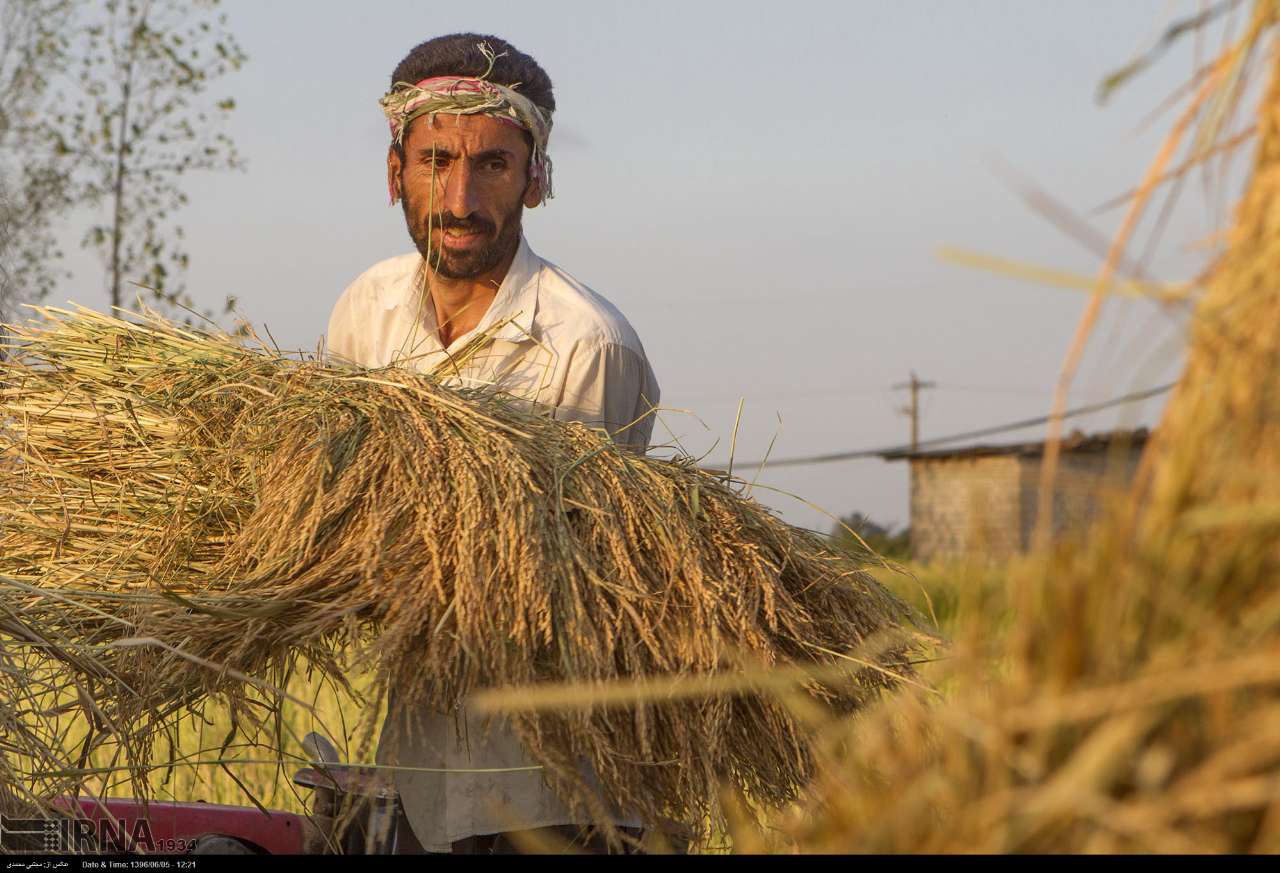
<point x="759" y="187"/>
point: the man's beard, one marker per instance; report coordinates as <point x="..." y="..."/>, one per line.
<point x="452" y="264"/>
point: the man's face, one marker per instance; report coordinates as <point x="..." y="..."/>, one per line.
<point x="464" y="183"/>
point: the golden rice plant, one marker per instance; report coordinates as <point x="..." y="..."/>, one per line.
<point x="1133" y="702"/>
<point x="184" y="517"/>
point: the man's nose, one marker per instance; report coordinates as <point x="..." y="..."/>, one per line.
<point x="460" y="195"/>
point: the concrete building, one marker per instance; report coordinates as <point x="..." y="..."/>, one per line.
<point x="981" y="500"/>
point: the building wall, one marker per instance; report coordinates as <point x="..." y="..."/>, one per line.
<point x="1082" y="482"/>
<point x="986" y="506"/>
<point x="965" y="504"/>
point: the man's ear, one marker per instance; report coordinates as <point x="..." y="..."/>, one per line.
<point x="393" y="174"/>
<point x="533" y="192"/>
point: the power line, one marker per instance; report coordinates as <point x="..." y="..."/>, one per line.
<point x="787" y="394"/>
<point x="996" y="389"/>
<point x="936" y="441"/>
<point x="781" y="393"/>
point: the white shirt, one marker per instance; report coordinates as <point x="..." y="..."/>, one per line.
<point x="568" y="350"/>
<point x="562" y="346"/>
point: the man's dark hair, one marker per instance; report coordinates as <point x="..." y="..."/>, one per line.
<point x="458" y="54"/>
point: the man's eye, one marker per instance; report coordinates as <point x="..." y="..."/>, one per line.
<point x="497" y="165"/>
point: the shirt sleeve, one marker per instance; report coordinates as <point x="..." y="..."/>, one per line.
<point x="340" y="339"/>
<point x="613" y="387"/>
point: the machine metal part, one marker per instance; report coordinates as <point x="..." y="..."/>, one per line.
<point x="353" y="811"/>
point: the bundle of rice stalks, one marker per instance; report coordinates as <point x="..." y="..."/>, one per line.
<point x="182" y="514"/>
<point x="1134" y="702"/>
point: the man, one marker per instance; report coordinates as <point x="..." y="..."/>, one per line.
<point x="470" y="116"/>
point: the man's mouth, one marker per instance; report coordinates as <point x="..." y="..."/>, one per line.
<point x="463" y="237"/>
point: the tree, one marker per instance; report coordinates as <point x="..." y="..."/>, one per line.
<point x="35" y="180"/>
<point x="141" y="120"/>
<point x="7" y="290"/>
<point x="884" y="540"/>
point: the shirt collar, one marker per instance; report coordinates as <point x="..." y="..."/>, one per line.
<point x="515" y="303"/>
<point x="517" y="297"/>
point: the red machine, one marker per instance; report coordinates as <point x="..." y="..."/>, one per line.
<point x="354" y="811"/>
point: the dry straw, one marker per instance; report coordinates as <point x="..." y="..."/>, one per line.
<point x="1120" y="693"/>
<point x="180" y="513"/>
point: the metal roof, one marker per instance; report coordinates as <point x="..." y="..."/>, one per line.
<point x="1076" y="442"/>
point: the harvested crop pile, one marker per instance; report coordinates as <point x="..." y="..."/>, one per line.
<point x="1121" y="693"/>
<point x="180" y="513"/>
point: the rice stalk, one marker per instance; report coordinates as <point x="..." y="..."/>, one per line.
<point x="251" y="512"/>
<point x="1133" y="704"/>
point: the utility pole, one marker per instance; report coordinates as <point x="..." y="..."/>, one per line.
<point x="915" y="386"/>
